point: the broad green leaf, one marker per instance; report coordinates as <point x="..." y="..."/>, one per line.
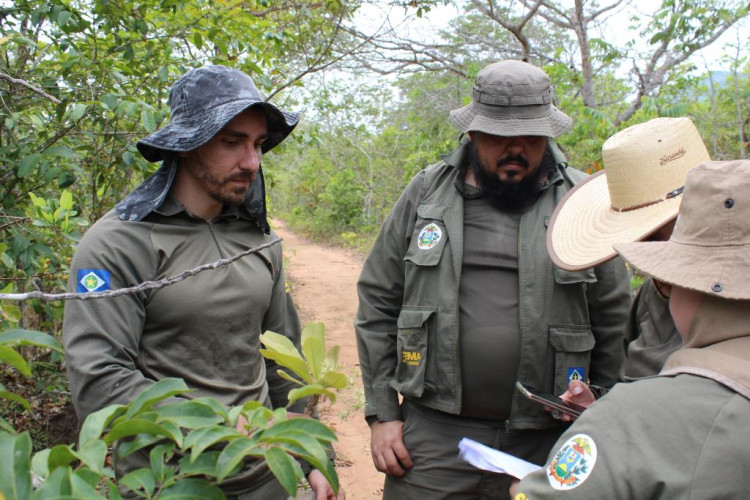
<point x="28" y="165"/>
<point x="20" y="336"/>
<point x="81" y="488"/>
<point x="5" y="426"/>
<point x="293" y="362"/>
<point x="159" y="391"/>
<point x="332" y="358"/>
<point x="66" y="200"/>
<point x="15" y="476"/>
<point x="139" y="480"/>
<point x="139" y="426"/>
<point x="11" y="396"/>
<point x="189" y="414"/>
<point x="279" y="343"/>
<point x="110" y="100"/>
<point x="125" y="448"/>
<point x="310" y="390"/>
<point x="337" y="380"/>
<point x="40" y="463"/>
<point x="283" y="467"/>
<point x="94" y="425"/>
<point x="63" y="18"/>
<point x="94" y="455"/>
<point x="217" y="407"/>
<point x="205" y="464"/>
<point x="315" y="452"/>
<point x="192" y="489"/>
<point x="15" y="360"/>
<point x="148" y="121"/>
<point x="233" y="454"/>
<point x="288" y="377"/>
<point x="77" y="111"/>
<point x="158" y="457"/>
<point x="61" y="152"/>
<point x="314" y="347"/>
<point x="60" y="456"/>
<point x="311" y="427"/>
<point x="57" y="485"/>
<point x="202" y="438"/>
<point x="9" y="311"/>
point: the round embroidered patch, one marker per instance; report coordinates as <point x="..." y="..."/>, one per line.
<point x="429" y="236"/>
<point x="573" y="463"/>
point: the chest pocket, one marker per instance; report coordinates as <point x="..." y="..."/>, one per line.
<point x="429" y="237"/>
<point x="563" y="277"/>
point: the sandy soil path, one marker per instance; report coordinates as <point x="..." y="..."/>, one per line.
<point x="324" y="287"/>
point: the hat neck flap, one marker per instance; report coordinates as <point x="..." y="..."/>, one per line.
<point x="152" y="192"/>
<point x="717" y="345"/>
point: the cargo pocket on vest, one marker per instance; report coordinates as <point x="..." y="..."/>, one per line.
<point x="563" y="277"/>
<point x="573" y="345"/>
<point x="412" y="351"/>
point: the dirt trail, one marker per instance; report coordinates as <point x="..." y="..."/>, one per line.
<point x="324" y="288"/>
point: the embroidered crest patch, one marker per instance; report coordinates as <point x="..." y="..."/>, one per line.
<point x="92" y="280"/>
<point x="573" y="463"/>
<point x="429" y="236"/>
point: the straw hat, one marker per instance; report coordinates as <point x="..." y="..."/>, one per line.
<point x="710" y="246"/>
<point x="511" y="98"/>
<point x="638" y="192"/>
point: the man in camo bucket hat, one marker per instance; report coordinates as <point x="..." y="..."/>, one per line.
<point x="206" y="202"/>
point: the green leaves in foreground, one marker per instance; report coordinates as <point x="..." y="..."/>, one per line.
<point x="316" y="371"/>
<point x="191" y="445"/>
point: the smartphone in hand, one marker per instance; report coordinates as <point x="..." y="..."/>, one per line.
<point x="551" y="401"/>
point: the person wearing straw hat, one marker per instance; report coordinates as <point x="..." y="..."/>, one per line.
<point x="635" y="198"/>
<point x="685" y="435"/>
<point x="206" y="202"/>
<point x="458" y="299"/>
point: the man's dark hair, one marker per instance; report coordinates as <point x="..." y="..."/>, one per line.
<point x="512" y="196"/>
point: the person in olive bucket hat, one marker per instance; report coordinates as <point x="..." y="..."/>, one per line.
<point x="206" y="202"/>
<point x="459" y="299"/>
<point x="686" y="431"/>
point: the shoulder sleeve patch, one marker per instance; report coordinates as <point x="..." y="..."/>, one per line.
<point x="573" y="463"/>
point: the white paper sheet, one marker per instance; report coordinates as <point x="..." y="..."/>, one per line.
<point x="489" y="459"/>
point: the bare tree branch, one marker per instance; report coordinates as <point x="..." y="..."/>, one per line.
<point x="23" y="83"/>
<point x="141" y="287"/>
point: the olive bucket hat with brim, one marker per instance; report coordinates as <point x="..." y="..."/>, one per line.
<point x="202" y="102"/>
<point x="709" y="250"/>
<point x="511" y="98"/>
<point x="638" y="192"/>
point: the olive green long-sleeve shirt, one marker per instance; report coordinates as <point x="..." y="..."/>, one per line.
<point x="204" y="329"/>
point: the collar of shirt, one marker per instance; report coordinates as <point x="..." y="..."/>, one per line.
<point x="152" y="196"/>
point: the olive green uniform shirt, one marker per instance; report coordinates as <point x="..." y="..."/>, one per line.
<point x="488" y="307"/>
<point x="204" y="329"/>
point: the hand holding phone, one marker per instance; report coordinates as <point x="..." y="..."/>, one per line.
<point x="551" y="401"/>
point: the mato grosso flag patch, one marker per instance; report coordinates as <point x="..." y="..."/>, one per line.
<point x="92" y="280"/>
<point x="573" y="463"/>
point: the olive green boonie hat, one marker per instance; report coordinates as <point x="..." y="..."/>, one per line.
<point x="202" y="102"/>
<point x="512" y="98"/>
<point x="709" y="250"/>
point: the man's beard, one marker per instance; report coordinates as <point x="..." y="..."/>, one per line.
<point x="218" y="188"/>
<point x="512" y="196"/>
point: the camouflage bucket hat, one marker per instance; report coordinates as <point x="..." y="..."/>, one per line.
<point x="202" y="102"/>
<point x="511" y="98"/>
